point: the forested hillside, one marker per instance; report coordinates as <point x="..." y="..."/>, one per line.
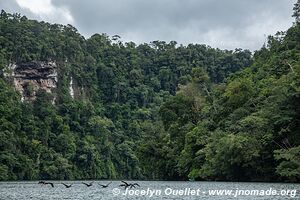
<point x="149" y="111"/>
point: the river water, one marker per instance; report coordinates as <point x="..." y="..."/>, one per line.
<point x="149" y="190"/>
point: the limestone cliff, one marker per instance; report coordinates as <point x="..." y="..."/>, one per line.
<point x="29" y="77"/>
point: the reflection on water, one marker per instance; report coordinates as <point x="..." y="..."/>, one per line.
<point x="148" y="190"/>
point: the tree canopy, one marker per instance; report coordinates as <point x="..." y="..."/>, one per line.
<point x="150" y="111"/>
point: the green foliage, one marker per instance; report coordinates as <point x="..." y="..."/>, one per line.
<point x="238" y="92"/>
<point x="290" y="163"/>
<point x="228" y="156"/>
<point x="149" y="111"/>
<point x="246" y="129"/>
<point x="296" y="9"/>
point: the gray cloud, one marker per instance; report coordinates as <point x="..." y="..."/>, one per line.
<point x="218" y="23"/>
<point x="42" y="10"/>
<point x="13" y="7"/>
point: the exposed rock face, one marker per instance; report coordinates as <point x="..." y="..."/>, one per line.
<point x="29" y="77"/>
<point x="71" y="88"/>
<point x="75" y="91"/>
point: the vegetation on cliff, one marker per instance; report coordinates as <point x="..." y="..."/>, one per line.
<point x="150" y="111"/>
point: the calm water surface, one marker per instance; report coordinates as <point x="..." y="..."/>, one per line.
<point x="161" y="190"/>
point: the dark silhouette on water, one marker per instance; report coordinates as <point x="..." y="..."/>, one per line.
<point x="125" y="184"/>
<point x="105" y="186"/>
<point x="46" y="183"/>
<point x="134" y="185"/>
<point x="52" y="185"/>
<point x="130" y="185"/>
<point x="67" y="186"/>
<point x="87" y="184"/>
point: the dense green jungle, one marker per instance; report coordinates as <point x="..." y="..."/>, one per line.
<point x="151" y="111"/>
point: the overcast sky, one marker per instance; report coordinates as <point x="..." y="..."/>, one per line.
<point x="224" y="24"/>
